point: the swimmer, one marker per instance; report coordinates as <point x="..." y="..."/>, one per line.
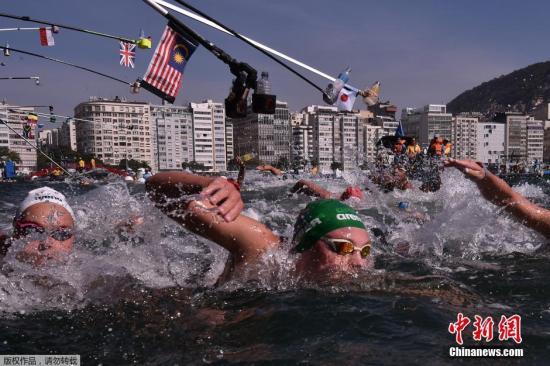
<point x="329" y="236"/>
<point x="45" y="223"/>
<point x="311" y="189"/>
<point x="498" y="192"/>
<point x="271" y="169"/>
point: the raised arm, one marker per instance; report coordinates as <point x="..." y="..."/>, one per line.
<point x="501" y="194"/>
<point x="307" y="187"/>
<point x="215" y="217"/>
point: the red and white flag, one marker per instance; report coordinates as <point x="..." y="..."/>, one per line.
<point x="165" y="72"/>
<point x="346" y="100"/>
<point x="46" y="37"/>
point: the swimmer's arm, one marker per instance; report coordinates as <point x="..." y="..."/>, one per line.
<point x="306" y="187"/>
<point x="271" y="169"/>
<point x="501" y="194"/>
<point x="244" y="238"/>
<point x="174" y="185"/>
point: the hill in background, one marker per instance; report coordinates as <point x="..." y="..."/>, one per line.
<point x="519" y="91"/>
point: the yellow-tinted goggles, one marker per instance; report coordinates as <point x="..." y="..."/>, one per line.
<point x="345" y="246"/>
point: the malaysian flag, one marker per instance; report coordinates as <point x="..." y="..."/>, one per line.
<point x="165" y="71"/>
<point x="127" y="54"/>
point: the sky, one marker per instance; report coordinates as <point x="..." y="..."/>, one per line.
<point x="422" y="51"/>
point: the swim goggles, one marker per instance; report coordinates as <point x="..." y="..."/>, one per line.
<point x="345" y="246"/>
<point x="23" y="229"/>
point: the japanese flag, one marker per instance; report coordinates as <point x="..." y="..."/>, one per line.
<point x="346" y="99"/>
<point x="46" y="37"/>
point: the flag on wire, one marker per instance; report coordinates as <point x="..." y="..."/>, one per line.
<point x="164" y="74"/>
<point x="127" y="54"/>
<point x="46" y="37"/>
<point x="346" y="99"/>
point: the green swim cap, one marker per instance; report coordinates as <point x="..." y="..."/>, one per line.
<point x="320" y="218"/>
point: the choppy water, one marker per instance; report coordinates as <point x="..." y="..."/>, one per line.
<point x="148" y="296"/>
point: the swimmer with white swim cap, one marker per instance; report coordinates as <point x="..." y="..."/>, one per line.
<point x="45" y="223"/>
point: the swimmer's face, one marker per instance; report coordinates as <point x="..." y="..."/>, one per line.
<point x="46" y="230"/>
<point x="320" y="258"/>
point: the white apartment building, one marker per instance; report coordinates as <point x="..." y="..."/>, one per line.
<point x="426" y="122"/>
<point x="265" y="135"/>
<point x="322" y="118"/>
<point x="229" y="144"/>
<point x="337" y="137"/>
<point x="302" y="138"/>
<point x="371" y="135"/>
<point x="114" y="130"/>
<point x="209" y="136"/>
<point x="535" y="141"/>
<point x="464" y="137"/>
<point x="490" y="142"/>
<point x="173" y="142"/>
<point x="16" y="119"/>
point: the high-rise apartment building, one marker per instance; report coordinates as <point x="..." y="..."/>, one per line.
<point x="426" y="122"/>
<point x="15" y="117"/>
<point x="535" y="140"/>
<point x="209" y="135"/>
<point x="490" y="142"/>
<point x="464" y="137"/>
<point x="265" y="135"/>
<point x="338" y="137"/>
<point x="302" y="138"/>
<point x="114" y="130"/>
<point x="67" y="134"/>
<point x="173" y="142"/>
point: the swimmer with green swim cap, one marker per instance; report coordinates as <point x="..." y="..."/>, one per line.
<point x="329" y="236"/>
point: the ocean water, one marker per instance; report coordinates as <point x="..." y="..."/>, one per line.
<point x="148" y="296"/>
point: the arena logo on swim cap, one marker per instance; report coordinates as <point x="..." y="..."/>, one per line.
<point x="347" y="216"/>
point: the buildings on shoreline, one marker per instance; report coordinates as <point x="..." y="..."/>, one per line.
<point x="167" y="136"/>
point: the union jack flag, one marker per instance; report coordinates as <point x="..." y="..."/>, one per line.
<point x="127" y="54"/>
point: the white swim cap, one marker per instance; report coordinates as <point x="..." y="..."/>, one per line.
<point x="45" y="194"/>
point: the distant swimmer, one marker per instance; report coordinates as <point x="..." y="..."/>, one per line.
<point x="308" y="187"/>
<point x="271" y="169"/>
<point x="45" y="223"/>
<point x="329" y="236"/>
<point x="498" y="192"/>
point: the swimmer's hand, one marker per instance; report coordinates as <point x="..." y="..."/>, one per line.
<point x="472" y="169"/>
<point x="491" y="187"/>
<point x="223" y="194"/>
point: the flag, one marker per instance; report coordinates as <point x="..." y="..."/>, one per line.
<point x="346" y="99"/>
<point x="46" y="37"/>
<point x="399" y="131"/>
<point x="127" y="54"/>
<point x="164" y="74"/>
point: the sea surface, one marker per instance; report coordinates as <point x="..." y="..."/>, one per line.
<point x="148" y="295"/>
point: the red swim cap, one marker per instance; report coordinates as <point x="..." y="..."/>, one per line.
<point x="352" y="192"/>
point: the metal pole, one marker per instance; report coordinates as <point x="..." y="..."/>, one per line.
<point x="245" y="40"/>
<point x="28" y="19"/>
<point x="34" y="147"/>
<point x="22" y="29"/>
<point x="66" y="63"/>
<point x="260" y="45"/>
